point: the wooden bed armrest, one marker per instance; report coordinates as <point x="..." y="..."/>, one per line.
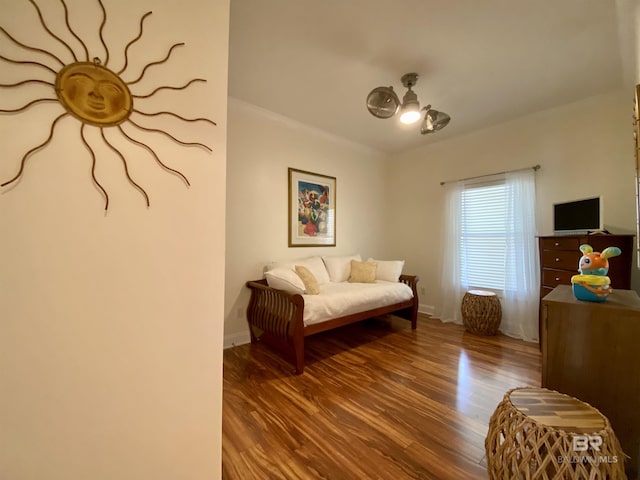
<point x="412" y="281"/>
<point x="274" y="312"/>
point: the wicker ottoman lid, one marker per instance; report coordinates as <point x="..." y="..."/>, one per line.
<point x="557" y="410"/>
<point x="482" y="293"/>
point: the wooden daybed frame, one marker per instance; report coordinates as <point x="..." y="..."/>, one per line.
<point x="276" y="318"/>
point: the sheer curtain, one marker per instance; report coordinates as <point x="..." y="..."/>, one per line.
<point x="520" y="302"/>
<point x="451" y="279"/>
<point x="519" y="292"/>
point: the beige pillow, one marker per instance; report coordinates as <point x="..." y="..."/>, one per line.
<point x="363" y="272"/>
<point x="311" y="286"/>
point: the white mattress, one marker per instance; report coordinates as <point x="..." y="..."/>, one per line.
<point x="344" y="298"/>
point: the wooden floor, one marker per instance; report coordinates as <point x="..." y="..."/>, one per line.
<point x="376" y="401"/>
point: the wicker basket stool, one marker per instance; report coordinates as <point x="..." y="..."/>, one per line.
<point x="481" y="312"/>
<point x="536" y="433"/>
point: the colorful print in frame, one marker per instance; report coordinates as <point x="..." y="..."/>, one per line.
<point x="312" y="209"/>
<point x="636" y="149"/>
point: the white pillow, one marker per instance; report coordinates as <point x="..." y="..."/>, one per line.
<point x="388" y="270"/>
<point x="285" y="279"/>
<point x="316" y="267"/>
<point x="339" y="267"/>
<point x="278" y="266"/>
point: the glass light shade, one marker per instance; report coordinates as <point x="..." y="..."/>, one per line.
<point x="383" y="102"/>
<point x="433" y="120"/>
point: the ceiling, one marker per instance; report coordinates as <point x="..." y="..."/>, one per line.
<point x="483" y="63"/>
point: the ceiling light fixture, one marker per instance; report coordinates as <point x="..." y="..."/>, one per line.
<point x="382" y="102"/>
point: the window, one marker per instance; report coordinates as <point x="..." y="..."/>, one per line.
<point x="490" y="243"/>
<point x="484" y="235"/>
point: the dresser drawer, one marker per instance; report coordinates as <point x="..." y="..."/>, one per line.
<point x="552" y="277"/>
<point x="561" y="260"/>
<point x="561" y="243"/>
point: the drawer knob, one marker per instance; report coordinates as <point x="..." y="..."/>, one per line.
<point x="557" y="279"/>
<point x="557" y="259"/>
<point x="557" y="244"/>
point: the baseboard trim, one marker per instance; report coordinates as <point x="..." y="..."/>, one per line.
<point x="236" y="339"/>
<point x="426" y="309"/>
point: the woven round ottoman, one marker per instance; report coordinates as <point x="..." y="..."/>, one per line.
<point x="481" y="312"/>
<point x="536" y="433"/>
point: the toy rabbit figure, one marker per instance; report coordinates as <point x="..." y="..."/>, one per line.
<point x="593" y="285"/>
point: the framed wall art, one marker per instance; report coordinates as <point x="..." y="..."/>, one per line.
<point x="312" y="209"/>
<point x="636" y="149"/>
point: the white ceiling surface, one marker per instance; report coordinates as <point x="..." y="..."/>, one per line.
<point x="481" y="61"/>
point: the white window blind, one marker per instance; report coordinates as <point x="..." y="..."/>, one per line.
<point x="485" y="235"/>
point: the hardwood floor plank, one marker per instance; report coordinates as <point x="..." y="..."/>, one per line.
<point x="377" y="400"/>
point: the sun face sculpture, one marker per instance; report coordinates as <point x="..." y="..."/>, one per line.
<point x="96" y="95"/>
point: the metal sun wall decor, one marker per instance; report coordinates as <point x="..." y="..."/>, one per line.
<point x="96" y="95"/>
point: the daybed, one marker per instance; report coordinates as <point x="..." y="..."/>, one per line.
<point x="282" y="310"/>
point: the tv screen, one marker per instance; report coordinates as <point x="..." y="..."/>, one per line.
<point x="578" y="216"/>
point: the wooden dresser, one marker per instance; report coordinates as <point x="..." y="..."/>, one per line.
<point x="559" y="256"/>
<point x="591" y="351"/>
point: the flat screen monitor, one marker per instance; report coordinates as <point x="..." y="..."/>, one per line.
<point x="578" y="216"/>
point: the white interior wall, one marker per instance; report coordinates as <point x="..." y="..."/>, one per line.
<point x="262" y="146"/>
<point x="111" y="325"/>
<point x="628" y="17"/>
<point x="585" y="149"/>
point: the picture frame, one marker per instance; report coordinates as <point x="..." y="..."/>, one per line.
<point x="312" y="209"/>
<point x="636" y="151"/>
